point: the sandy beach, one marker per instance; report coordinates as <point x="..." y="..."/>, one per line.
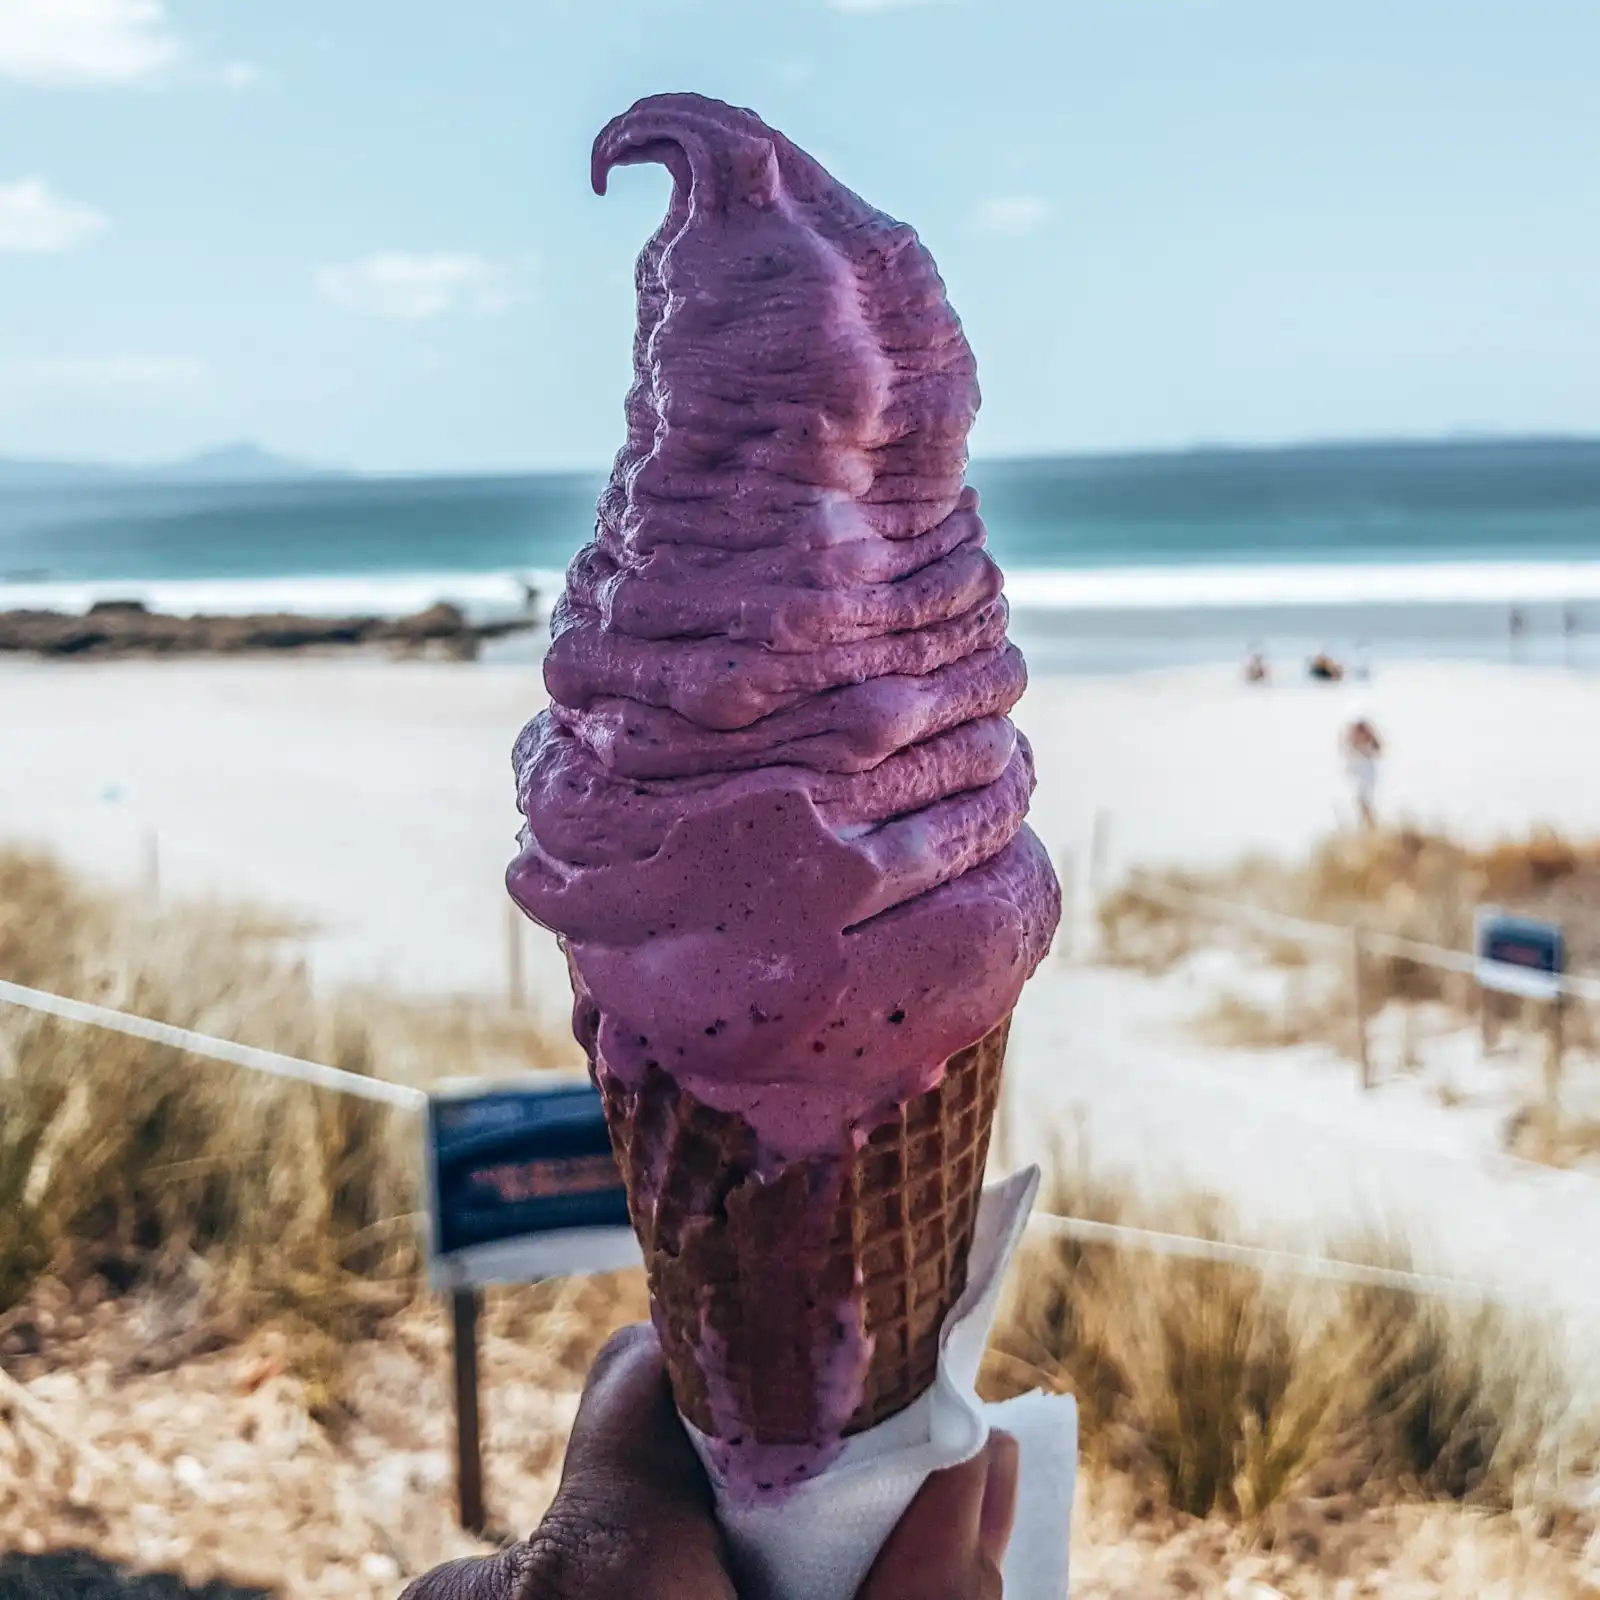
<point x="375" y="799"/>
<point x="370" y="804"/>
<point x="373" y="802"/>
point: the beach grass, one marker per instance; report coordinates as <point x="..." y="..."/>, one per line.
<point x="1223" y="1390"/>
<point x="1406" y="883"/>
<point x="137" y="1164"/>
<point x="1217" y="1403"/>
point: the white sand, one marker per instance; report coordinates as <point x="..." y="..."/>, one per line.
<point x="373" y="798"/>
<point x="376" y="800"/>
<point x="1195" y="767"/>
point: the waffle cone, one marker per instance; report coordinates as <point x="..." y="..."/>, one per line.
<point x="749" y="1270"/>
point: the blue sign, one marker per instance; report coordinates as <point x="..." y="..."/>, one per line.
<point x="1518" y="955"/>
<point x="523" y="1185"/>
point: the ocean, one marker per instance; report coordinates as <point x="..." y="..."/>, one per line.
<point x="1112" y="562"/>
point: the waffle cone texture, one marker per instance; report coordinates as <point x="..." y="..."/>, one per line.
<point x="808" y="1302"/>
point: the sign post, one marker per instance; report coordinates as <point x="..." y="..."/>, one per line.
<point x="1520" y="956"/>
<point x="1554" y="1063"/>
<point x="1358" y="978"/>
<point x="464" y="1305"/>
<point x="522" y="1186"/>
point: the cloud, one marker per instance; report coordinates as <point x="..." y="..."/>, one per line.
<point x="238" y="75"/>
<point x="412" y="288"/>
<point x="85" y="43"/>
<point x="1012" y="216"/>
<point x="124" y="374"/>
<point x="35" y="219"/>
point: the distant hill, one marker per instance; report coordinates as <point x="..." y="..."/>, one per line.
<point x="241" y="462"/>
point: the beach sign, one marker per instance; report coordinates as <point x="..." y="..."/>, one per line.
<point x="522" y="1185"/>
<point x="1519" y="955"/>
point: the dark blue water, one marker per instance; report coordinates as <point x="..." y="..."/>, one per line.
<point x="1533" y="500"/>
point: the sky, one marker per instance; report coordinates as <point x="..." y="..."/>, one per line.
<point x="362" y="232"/>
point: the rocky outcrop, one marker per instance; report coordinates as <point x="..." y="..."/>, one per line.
<point x="116" y="628"/>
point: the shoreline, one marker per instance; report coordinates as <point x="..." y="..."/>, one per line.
<point x="129" y="630"/>
<point x="1106" y="642"/>
<point x="1099" y="621"/>
<point x="1163" y="586"/>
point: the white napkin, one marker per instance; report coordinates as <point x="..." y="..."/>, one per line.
<point x="820" y="1541"/>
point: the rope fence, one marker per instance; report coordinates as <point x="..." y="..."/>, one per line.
<point x="1572" y="985"/>
<point x="406" y="1098"/>
<point x="1330" y="1269"/>
<point x="271" y="1062"/>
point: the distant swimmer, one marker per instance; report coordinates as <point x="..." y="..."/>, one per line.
<point x="1363" y="750"/>
<point x="1256" y="669"/>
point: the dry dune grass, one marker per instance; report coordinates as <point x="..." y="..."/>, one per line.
<point x="1223" y="1391"/>
<point x="1403" y="882"/>
<point x="1310" y="1551"/>
<point x="1233" y="1423"/>
<point x="134" y="1163"/>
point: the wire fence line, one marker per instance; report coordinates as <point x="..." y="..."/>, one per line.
<point x="1259" y="1258"/>
<point x="1572" y="985"/>
<point x="203" y="1045"/>
<point x="403" y="1097"/>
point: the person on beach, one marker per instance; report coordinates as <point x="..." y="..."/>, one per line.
<point x="1363" y="750"/>
<point x="1326" y="668"/>
<point x="632" y="1519"/>
<point x="1256" y="669"/>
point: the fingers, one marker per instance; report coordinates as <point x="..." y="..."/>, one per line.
<point x="950" y="1542"/>
<point x="633" y="1513"/>
<point x="627" y="1432"/>
<point x="493" y="1578"/>
<point x="998" y="1515"/>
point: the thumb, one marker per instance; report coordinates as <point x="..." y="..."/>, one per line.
<point x="950" y="1542"/>
<point x="634" y="1503"/>
<point x="633" y="1513"/>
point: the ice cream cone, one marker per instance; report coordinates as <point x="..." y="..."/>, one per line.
<point x="749" y="1271"/>
<point x="776" y="807"/>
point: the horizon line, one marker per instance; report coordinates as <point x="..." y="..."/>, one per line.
<point x="290" y="467"/>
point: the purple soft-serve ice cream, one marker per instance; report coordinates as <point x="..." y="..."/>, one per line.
<point x="776" y="807"/>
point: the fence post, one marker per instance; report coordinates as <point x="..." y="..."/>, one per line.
<point x="1555" y="1049"/>
<point x="1099" y="849"/>
<point x="1358" y="969"/>
<point x="152" y="864"/>
<point x="514" y="989"/>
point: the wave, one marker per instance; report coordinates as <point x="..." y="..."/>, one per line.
<point x="479" y="594"/>
<point x="1286" y="585"/>
<point x="1084" y="589"/>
